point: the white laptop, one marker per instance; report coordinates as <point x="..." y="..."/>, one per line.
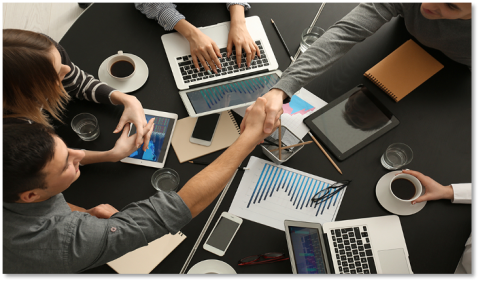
<point x="204" y="93"/>
<point x="361" y="246"/>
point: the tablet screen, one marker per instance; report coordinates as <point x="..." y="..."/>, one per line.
<point x="231" y="93"/>
<point x="162" y="130"/>
<point x="307" y="249"/>
<point x="353" y="120"/>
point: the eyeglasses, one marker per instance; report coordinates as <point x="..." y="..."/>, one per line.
<point x="330" y="191"/>
<point x="263" y="258"/>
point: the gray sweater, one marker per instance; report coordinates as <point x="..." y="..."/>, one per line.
<point x="452" y="37"/>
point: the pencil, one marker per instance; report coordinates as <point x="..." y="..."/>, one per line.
<point x="290" y="146"/>
<point x="281" y="38"/>
<point x="206" y="163"/>
<point x="280" y="141"/>
<point x="326" y="154"/>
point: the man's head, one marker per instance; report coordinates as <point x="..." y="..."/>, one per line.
<point x="36" y="163"/>
<point x="446" y="11"/>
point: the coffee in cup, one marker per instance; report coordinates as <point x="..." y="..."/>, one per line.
<point x="405" y="187"/>
<point x="121" y="66"/>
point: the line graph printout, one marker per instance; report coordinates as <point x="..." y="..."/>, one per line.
<point x="269" y="194"/>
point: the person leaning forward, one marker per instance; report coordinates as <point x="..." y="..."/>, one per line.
<point x="44" y="234"/>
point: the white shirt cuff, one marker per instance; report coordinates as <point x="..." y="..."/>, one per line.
<point x="462" y="193"/>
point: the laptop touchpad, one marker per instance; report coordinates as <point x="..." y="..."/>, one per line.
<point x="393" y="261"/>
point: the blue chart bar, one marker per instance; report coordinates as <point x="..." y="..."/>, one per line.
<point x="254" y="86"/>
<point x="299" y="188"/>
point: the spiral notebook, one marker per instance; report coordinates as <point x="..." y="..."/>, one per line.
<point x="403" y="70"/>
<point x="226" y="134"/>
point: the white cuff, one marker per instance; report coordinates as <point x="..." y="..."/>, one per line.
<point x="462" y="193"/>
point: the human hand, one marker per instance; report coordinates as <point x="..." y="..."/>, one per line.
<point x="132" y="113"/>
<point x="273" y="107"/>
<point x="126" y="145"/>
<point x="204" y="49"/>
<point x="241" y="39"/>
<point x="102" y="211"/>
<point x="433" y="190"/>
<point x="253" y="124"/>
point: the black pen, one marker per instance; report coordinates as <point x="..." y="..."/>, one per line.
<point x="276" y="28"/>
<point x="206" y="163"/>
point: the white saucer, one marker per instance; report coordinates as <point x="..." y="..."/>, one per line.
<point x="390" y="203"/>
<point x="135" y="82"/>
<point x="211" y="266"/>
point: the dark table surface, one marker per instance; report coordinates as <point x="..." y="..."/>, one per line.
<point x="435" y="121"/>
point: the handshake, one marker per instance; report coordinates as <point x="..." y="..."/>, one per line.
<point x="252" y="125"/>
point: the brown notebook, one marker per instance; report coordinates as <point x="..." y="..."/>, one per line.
<point x="225" y="135"/>
<point x="403" y="70"/>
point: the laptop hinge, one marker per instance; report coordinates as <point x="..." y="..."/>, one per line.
<point x="228" y="79"/>
<point x="328" y="254"/>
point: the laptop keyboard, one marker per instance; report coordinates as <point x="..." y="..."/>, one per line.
<point x="353" y="250"/>
<point x="229" y="65"/>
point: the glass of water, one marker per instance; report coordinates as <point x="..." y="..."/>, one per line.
<point x="86" y="126"/>
<point x="309" y="36"/>
<point x="396" y="156"/>
<point x="166" y="180"/>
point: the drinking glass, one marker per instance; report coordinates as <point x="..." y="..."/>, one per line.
<point x="396" y="156"/>
<point x="166" y="180"/>
<point x="309" y="36"/>
<point x="86" y="126"/>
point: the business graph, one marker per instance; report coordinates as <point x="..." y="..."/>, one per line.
<point x="297" y="106"/>
<point x="269" y="194"/>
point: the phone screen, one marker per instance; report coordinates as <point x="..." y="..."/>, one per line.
<point x="205" y="127"/>
<point x="223" y="233"/>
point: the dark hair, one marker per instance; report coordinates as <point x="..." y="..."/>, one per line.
<point x="27" y="149"/>
<point x="30" y="81"/>
<point x="361" y="113"/>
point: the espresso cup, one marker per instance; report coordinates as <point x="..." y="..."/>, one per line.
<point x="121" y="67"/>
<point x="405" y="187"/>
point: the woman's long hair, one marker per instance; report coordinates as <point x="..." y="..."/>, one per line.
<point x="30" y="81"/>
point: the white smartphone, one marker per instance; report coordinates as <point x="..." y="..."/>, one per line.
<point x="223" y="233"/>
<point x="204" y="129"/>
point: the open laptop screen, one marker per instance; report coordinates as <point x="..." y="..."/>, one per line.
<point x="307" y="250"/>
<point x="230" y="94"/>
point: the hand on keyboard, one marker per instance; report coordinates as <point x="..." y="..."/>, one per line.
<point x="241" y="39"/>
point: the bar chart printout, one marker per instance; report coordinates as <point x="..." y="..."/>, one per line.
<point x="269" y="194"/>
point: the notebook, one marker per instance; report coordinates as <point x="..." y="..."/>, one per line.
<point x="226" y="134"/>
<point x="403" y="70"/>
<point x="143" y="260"/>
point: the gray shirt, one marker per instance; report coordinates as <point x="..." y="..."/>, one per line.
<point x="452" y="37"/>
<point x="47" y="237"/>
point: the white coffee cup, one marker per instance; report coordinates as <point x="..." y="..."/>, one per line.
<point x="117" y="58"/>
<point x="403" y="195"/>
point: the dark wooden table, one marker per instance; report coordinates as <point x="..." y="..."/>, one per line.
<point x="435" y="120"/>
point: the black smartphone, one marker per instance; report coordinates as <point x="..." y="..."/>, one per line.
<point x="205" y="129"/>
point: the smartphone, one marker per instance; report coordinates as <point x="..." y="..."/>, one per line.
<point x="205" y="129"/>
<point x="223" y="233"/>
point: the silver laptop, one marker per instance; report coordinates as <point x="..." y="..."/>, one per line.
<point x="206" y="93"/>
<point x="361" y="246"/>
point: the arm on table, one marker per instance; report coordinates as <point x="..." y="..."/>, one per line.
<point x="239" y="35"/>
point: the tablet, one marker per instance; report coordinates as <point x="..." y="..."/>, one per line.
<point x="236" y="93"/>
<point x="306" y="247"/>
<point x="160" y="139"/>
<point x="350" y="122"/>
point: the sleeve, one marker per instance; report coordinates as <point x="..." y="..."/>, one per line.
<point x="82" y="85"/>
<point x="359" y="24"/>
<point x="98" y="241"/>
<point x="165" y="14"/>
<point x="245" y="5"/>
<point x="462" y="193"/>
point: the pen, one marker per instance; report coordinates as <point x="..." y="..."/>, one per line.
<point x="281" y="38"/>
<point x="206" y="163"/>
<point x="291" y="146"/>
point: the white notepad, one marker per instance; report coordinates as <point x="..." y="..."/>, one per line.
<point x="143" y="260"/>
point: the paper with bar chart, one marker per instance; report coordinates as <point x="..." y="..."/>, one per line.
<point x="269" y="194"/>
